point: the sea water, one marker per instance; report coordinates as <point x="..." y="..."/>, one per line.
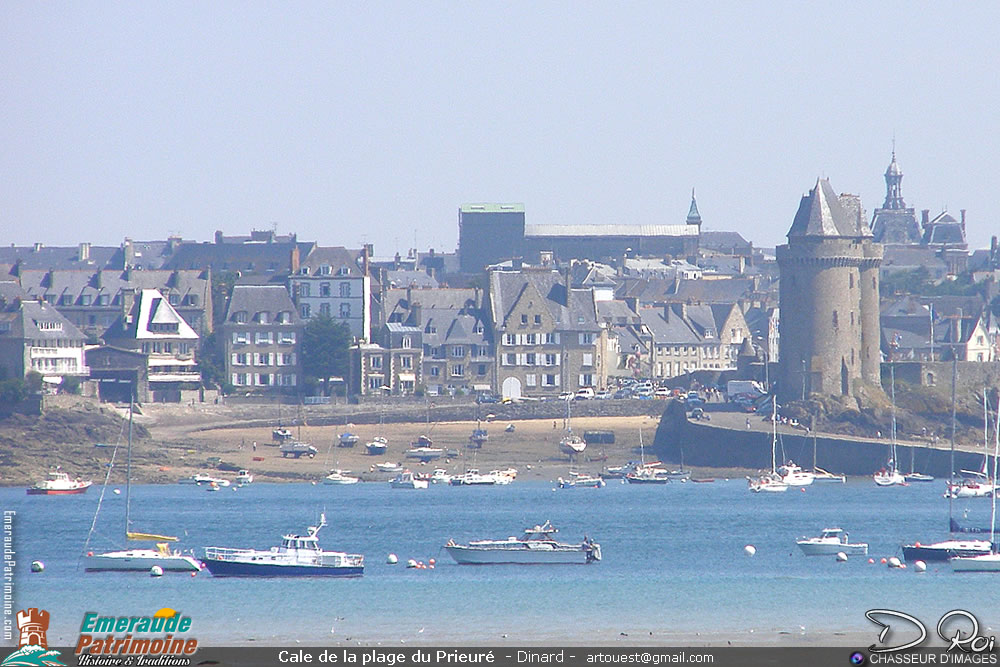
<point x="673" y="563"/>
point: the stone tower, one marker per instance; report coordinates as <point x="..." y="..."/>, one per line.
<point x="894" y="222"/>
<point x="829" y="330"/>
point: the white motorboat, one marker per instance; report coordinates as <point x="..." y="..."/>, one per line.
<point x="340" y="477"/>
<point x="297" y="556"/>
<point x="536" y="546"/>
<point x="377" y="446"/>
<point x="649" y="473"/>
<point x="244" y="477"/>
<point x="424" y="454"/>
<point x="793" y="475"/>
<point x="831" y="542"/>
<point x="388" y="467"/>
<point x="972" y="485"/>
<point x="440" y="476"/>
<point x="58" y="483"/>
<point x="581" y="481"/>
<point x="989" y="562"/>
<point x="472" y="477"/>
<point x="407" y="480"/>
<point x="203" y="479"/>
<point x="505" y="476"/>
<point x="135" y="560"/>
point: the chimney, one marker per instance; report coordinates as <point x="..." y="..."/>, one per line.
<point x="517" y="263"/>
<point x="566" y="281"/>
<point x="395" y="261"/>
<point x="83" y="254"/>
<point x="218" y="236"/>
<point x="294" y="261"/>
<point x="128" y="252"/>
<point x="37" y="246"/>
<point x="409" y="296"/>
<point x="366" y="258"/>
<point x="128" y="301"/>
<point x="416" y="314"/>
<point x="993" y="251"/>
<point x="925" y="217"/>
<point x="475" y="291"/>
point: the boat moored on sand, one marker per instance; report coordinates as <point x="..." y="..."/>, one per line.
<point x="536" y="546"/>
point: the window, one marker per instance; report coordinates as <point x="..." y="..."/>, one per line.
<point x="435" y="371"/>
<point x="550" y="380"/>
<point x="241" y="317"/>
<point x="481" y="369"/>
<point x="457" y="370"/>
<point x="551" y="339"/>
<point x="588" y="359"/>
<point x="305" y="311"/>
<point x="303" y="289"/>
<point x="325" y="270"/>
<point x="586" y="339"/>
<point x="240" y="359"/>
<point x="538" y="320"/>
<point x="103" y="299"/>
<point x="286" y="338"/>
<point x="551" y="360"/>
<point x="530" y="339"/>
<point x="324" y="309"/>
<point x="509" y="339"/>
<point x="263" y="317"/>
<point x="407" y="343"/>
<point x="345" y="310"/>
<point x="263" y="338"/>
<point x="835" y="325"/>
<point x="851" y="280"/>
<point x="375" y="383"/>
<point x="406" y="361"/>
<point x="376" y="362"/>
<point x="241" y="338"/>
<point x="458" y="351"/>
<point x="530" y="359"/>
<point x="345" y="289"/>
<point x="586" y="380"/>
<point x="531" y="380"/>
<point x="510" y="360"/>
<point x="262" y="359"/>
<point x="524" y="319"/>
<point x="324" y="289"/>
<point x="85" y="300"/>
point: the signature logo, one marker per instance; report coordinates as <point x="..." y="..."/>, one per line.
<point x="959" y="628"/>
<point x="32" y="647"/>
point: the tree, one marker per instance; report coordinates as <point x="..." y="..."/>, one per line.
<point x="325" y="344"/>
<point x="222" y="289"/>
<point x="12" y="391"/>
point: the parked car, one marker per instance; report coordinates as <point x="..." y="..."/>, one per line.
<point x="566" y="396"/>
<point x="603" y="395"/>
<point x="487" y="397"/>
<point x="623" y="393"/>
<point x="662" y="392"/>
<point x="584" y="394"/>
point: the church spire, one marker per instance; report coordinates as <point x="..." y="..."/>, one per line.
<point x="893" y="182"/>
<point x="694" y="217"/>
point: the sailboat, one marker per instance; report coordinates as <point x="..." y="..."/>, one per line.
<point x="949" y="548"/>
<point x="571" y="444"/>
<point x="820" y="475"/>
<point x="975" y="484"/>
<point x="647" y="473"/>
<point x="136" y="560"/>
<point x="890" y="476"/>
<point x="986" y="562"/>
<point x="770" y="482"/>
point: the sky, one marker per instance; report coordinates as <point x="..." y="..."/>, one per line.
<point x="351" y="123"/>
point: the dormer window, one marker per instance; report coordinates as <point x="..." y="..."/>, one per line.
<point x="304" y="271"/>
<point x="241" y="317"/>
<point x="263" y="317"/>
<point x="325" y="270"/>
<point x="343" y="271"/>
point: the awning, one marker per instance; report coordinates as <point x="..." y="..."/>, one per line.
<point x="481" y="387"/>
<point x="52" y="379"/>
<point x="407" y="377"/>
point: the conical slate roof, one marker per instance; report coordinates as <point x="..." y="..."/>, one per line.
<point x="694" y="217"/>
<point x="822" y="214"/>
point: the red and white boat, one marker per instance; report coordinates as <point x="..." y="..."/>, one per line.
<point x="58" y="484"/>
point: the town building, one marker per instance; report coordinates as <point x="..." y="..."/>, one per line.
<point x="34" y="336"/>
<point x="262" y="338"/>
<point x="829" y="329"/>
<point x="150" y="325"/>
<point x="894" y="222"/>
<point x="548" y="336"/>
<point x="329" y="282"/>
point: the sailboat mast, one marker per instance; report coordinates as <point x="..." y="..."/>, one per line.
<point x="951" y="473"/>
<point x="128" y="468"/>
<point x="892" y="431"/>
<point x="774" y="431"/>
<point x="996" y="454"/>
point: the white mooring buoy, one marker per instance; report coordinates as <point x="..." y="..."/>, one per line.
<point x="156" y="571"/>
<point x="750" y="550"/>
<point x="37" y="566"/>
<point x="391" y="559"/>
<point x="920" y="566"/>
<point x="841" y="557"/>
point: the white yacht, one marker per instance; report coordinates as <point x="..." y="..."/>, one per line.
<point x="767" y="483"/>
<point x="473" y="478"/>
<point x="831" y="542"/>
<point x="201" y="478"/>
<point x="407" y="480"/>
<point x="793" y="475"/>
<point x="244" y="477"/>
<point x="340" y="477"/>
<point x="581" y="481"/>
<point x="889" y="477"/>
<point x="537" y="545"/>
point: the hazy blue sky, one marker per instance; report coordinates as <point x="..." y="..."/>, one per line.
<point x="348" y="122"/>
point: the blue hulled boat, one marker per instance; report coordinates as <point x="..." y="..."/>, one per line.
<point x="298" y="556"/>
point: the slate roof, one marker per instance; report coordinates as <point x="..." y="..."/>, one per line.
<point x="616" y="313"/>
<point x="611" y="230"/>
<point x="447" y="327"/>
<point x="24" y="323"/>
<point x="254" y="299"/>
<point x="58" y="257"/>
<point x="667" y="326"/>
<point x="75" y="284"/>
<point x="246" y="257"/>
<point x="693" y="216"/>
<point x="336" y="257"/>
<point x="577" y="313"/>
<point x="403" y="278"/>
<point x="658" y="290"/>
<point x="150" y="308"/>
<point x="724" y="241"/>
<point x="822" y="213"/>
